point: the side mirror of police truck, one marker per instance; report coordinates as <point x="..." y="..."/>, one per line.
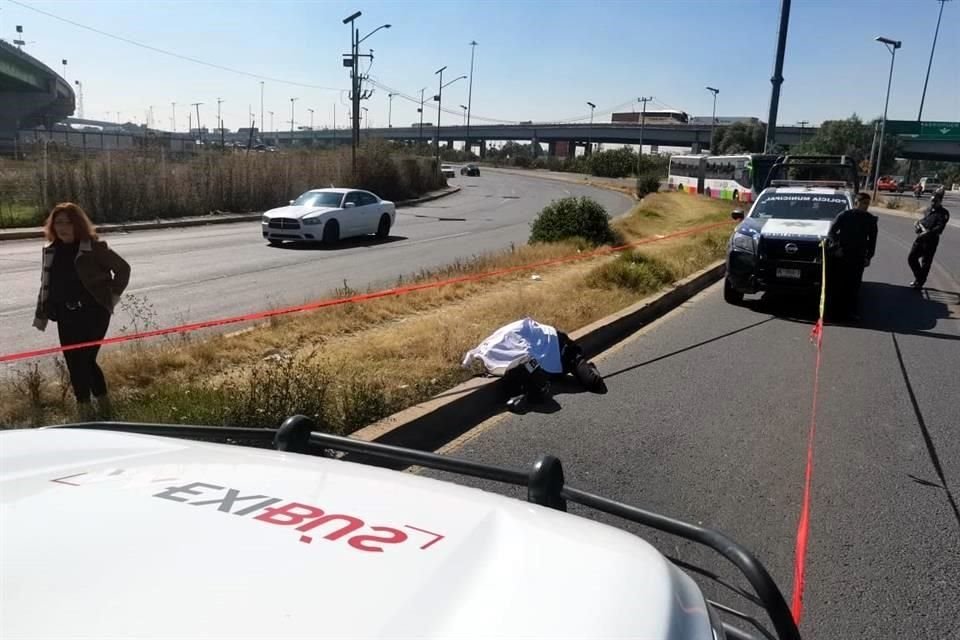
<point x="737" y="214"/>
<point x="291" y="202"/>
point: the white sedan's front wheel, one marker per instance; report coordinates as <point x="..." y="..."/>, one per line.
<point x="383" y="229"/>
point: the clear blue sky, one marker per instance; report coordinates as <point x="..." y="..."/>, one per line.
<point x="537" y="60"/>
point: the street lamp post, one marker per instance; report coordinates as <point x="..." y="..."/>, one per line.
<point x="354" y="65"/>
<point x="590" y="134"/>
<point x="713" y="120"/>
<point x="439" y="99"/>
<point x="64" y="62"/>
<point x="79" y="97"/>
<point x="293" y="101"/>
<point x="420" y="111"/>
<point x="220" y="121"/>
<point x="390" y="111"/>
<point x="311" y="119"/>
<point x="473" y="50"/>
<point x="199" y="128"/>
<point x="261" y="105"/>
<point x="465" y="109"/>
<point x="366" y="118"/>
<point x="173" y="116"/>
<point x="892" y="46"/>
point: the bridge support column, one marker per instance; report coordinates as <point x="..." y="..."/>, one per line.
<point x="696" y="147"/>
<point x="449" y="144"/>
<point x="552" y="149"/>
<point x="654" y="149"/>
<point x="483" y="148"/>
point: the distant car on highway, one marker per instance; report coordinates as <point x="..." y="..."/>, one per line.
<point x="930" y="185"/>
<point x="894" y="184"/>
<point x="329" y="215"/>
<point x="470" y="170"/>
<point x="776" y="247"/>
<point x="448" y="171"/>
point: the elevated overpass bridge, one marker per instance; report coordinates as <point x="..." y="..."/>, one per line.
<point x="926" y="143"/>
<point x="31" y="93"/>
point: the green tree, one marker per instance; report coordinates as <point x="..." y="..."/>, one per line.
<point x="739" y="137"/>
<point x="851" y="137"/>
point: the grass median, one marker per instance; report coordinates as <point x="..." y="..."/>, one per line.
<point x="350" y="365"/>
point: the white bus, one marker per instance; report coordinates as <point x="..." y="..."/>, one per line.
<point x="738" y="178"/>
<point x="686" y="174"/>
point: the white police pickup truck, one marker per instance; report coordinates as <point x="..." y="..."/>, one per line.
<point x="776" y="246"/>
<point x="125" y="530"/>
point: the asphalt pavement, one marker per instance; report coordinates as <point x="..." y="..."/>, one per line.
<point x="201" y="273"/>
<point x="707" y="419"/>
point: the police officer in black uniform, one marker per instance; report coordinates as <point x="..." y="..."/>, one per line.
<point x="852" y="241"/>
<point x="928" y="237"/>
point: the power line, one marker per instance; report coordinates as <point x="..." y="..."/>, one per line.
<point x="171" y="53"/>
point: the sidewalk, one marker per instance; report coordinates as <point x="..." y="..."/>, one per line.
<point x="24" y="233"/>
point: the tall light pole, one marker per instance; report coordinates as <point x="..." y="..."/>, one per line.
<point x="390" y="111"/>
<point x="590" y="134"/>
<point x="261" y="104"/>
<point x="892" y="46"/>
<point x="473" y="51"/>
<point x="465" y="109"/>
<point x="64" y="62"/>
<point x="643" y="118"/>
<point x="354" y="65"/>
<point x="199" y="128"/>
<point x="311" y="119"/>
<point x="220" y="121"/>
<point x="930" y="63"/>
<point x="173" y="116"/>
<point x="713" y="120"/>
<point x="293" y="101"/>
<point x="79" y="97"/>
<point x="366" y="118"/>
<point x="439" y="99"/>
<point x="272" y="130"/>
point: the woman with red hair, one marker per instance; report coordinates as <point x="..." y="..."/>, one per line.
<point x="81" y="283"/>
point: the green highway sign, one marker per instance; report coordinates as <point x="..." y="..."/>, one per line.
<point x="924" y="130"/>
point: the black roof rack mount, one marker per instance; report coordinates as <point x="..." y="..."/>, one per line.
<point x="545" y="485"/>
<point x="814" y="170"/>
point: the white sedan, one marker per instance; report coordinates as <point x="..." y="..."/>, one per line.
<point x="328" y="215"/>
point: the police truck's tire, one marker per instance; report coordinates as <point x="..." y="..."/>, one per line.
<point x="383" y="229"/>
<point x="274" y="243"/>
<point x="731" y="295"/>
<point x="331" y="232"/>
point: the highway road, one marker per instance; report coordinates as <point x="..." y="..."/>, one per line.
<point x="201" y="273"/>
<point x="707" y="419"/>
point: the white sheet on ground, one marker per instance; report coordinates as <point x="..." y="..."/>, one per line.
<point x="513" y="344"/>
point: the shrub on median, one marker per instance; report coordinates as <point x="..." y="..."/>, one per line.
<point x="570" y="218"/>
<point x="633" y="271"/>
<point x="647" y="184"/>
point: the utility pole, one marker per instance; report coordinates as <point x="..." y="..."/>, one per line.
<point x="199" y="128"/>
<point x="220" y="121"/>
<point x="354" y="64"/>
<point x="79" y="97"/>
<point x="261" y="103"/>
<point x="713" y="120"/>
<point x="439" y="99"/>
<point x="803" y="125"/>
<point x="473" y="51"/>
<point x="420" y="111"/>
<point x="311" y="119"/>
<point x="272" y="130"/>
<point x="643" y="118"/>
<point x="390" y="111"/>
<point x="777" y="78"/>
<point x="173" y="116"/>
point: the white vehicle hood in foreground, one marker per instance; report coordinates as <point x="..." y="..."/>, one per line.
<point x="113" y="535"/>
<point x="298" y="211"/>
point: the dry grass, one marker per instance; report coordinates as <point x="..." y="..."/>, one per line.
<point x="353" y="364"/>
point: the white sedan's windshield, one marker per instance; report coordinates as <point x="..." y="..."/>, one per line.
<point x="319" y="199"/>
<point x="799" y="206"/>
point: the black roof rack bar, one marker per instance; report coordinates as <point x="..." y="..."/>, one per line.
<point x="743" y="616"/>
<point x="751" y="568"/>
<point x="544" y="482"/>
<point x="743" y="593"/>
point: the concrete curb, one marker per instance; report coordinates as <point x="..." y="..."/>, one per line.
<point x="435" y="422"/>
<point x="24" y="234"/>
